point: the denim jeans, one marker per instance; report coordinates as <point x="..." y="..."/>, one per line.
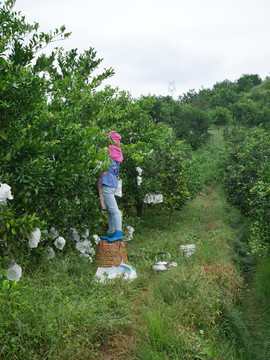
<point x="114" y="214"/>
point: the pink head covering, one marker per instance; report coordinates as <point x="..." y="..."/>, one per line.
<point x="115" y="152"/>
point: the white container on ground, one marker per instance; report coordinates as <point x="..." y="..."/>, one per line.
<point x="188" y="250"/>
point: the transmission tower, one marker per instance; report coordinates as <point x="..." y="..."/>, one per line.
<point x="171" y="88"/>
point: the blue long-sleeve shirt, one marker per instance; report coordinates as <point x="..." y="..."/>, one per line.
<point x="110" y="179"/>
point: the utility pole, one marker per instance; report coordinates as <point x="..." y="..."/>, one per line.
<point x="171" y="88"/>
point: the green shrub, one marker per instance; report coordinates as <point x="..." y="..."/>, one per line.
<point x="15" y="231"/>
<point x="246" y="179"/>
<point x="221" y="116"/>
<point x="52" y="165"/>
<point x="189" y="123"/>
<point x="247" y="82"/>
<point x="250" y="113"/>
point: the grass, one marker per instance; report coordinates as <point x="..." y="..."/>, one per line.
<point x="207" y="158"/>
<point x="203" y="288"/>
<point x="190" y="312"/>
<point x="262" y="88"/>
<point x="256" y="309"/>
<point x="60" y="313"/>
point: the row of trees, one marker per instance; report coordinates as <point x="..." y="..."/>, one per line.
<point x="246" y="165"/>
<point x="245" y="101"/>
<point x="243" y="105"/>
<point x="189" y="123"/>
<point x="53" y="138"/>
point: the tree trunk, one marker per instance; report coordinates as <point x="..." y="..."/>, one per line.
<point x="170" y="217"/>
<point x="139" y="209"/>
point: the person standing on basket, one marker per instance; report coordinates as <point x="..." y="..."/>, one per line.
<point x="107" y="184"/>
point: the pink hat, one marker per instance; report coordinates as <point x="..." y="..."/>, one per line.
<point x="115" y="152"/>
<point x="116" y="137"/>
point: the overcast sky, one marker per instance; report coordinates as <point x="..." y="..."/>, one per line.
<point x="152" y="43"/>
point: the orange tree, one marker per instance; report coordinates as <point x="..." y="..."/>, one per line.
<point x="47" y="153"/>
<point x="52" y="117"/>
<point x="152" y="146"/>
<point x="246" y="180"/>
<point x="189" y="123"/>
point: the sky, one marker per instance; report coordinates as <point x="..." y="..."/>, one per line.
<point x="164" y="47"/>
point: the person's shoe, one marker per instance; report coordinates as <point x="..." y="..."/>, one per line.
<point x="109" y="235"/>
<point x="118" y="235"/>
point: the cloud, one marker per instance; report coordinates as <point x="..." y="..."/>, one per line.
<point x="151" y="43"/>
<point x="153" y="63"/>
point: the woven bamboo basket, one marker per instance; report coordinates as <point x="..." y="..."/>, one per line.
<point x="111" y="254"/>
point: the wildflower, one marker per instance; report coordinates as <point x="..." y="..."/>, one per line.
<point x="60" y="242"/>
<point x="34" y="238"/>
<point x="14" y="273"/>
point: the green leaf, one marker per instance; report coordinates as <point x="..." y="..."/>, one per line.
<point x="6" y="285"/>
